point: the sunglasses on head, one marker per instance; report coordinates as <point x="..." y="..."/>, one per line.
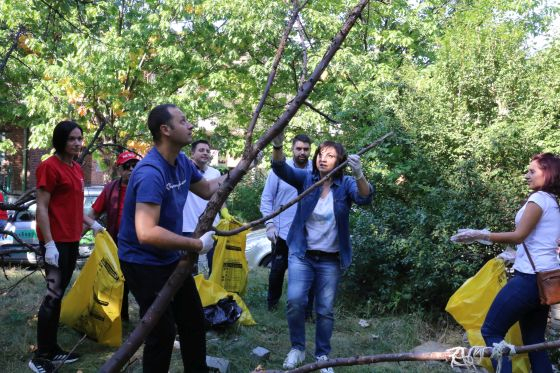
<point x="129" y="165"/>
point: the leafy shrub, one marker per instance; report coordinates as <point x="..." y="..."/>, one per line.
<point x="244" y="201"/>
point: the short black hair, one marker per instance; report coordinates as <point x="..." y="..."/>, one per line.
<point x="60" y="134"/>
<point x="158" y="116"/>
<point x="301" y="137"/>
<point x="341" y="156"/>
<point x="195" y="144"/>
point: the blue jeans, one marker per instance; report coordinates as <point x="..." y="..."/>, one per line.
<point x="518" y="301"/>
<point x="323" y="273"/>
<point x="278" y="267"/>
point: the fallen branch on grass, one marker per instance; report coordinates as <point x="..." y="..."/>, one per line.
<point x="457" y="356"/>
<point x="306" y="192"/>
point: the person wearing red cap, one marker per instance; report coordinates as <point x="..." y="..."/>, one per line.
<point x="111" y="202"/>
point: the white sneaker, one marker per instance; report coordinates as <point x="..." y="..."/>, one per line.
<point x="294" y="359"/>
<point x="325" y="358"/>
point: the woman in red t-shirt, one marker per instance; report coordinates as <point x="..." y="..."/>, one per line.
<point x="60" y="215"/>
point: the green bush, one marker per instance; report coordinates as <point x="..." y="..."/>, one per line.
<point x="244" y="201"/>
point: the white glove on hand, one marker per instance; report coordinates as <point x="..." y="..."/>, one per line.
<point x="96" y="227"/>
<point x="257" y="160"/>
<point x="508" y="255"/>
<point x="271" y="233"/>
<point x="472" y="235"/>
<point x="207" y="240"/>
<point x="278" y="141"/>
<point x="51" y="253"/>
<point x="356" y="166"/>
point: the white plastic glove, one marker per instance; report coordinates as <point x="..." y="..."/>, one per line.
<point x="271" y="233"/>
<point x="257" y="160"/>
<point x="472" y="235"/>
<point x="278" y="141"/>
<point x="508" y="255"/>
<point x="207" y="240"/>
<point x="51" y="253"/>
<point x="356" y="166"/>
<point x="96" y="227"/>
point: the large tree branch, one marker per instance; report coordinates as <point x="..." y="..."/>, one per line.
<point x="184" y="266"/>
<point x="305" y="192"/>
<point x="457" y="355"/>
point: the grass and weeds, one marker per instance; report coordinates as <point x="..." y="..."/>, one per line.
<point x="385" y="334"/>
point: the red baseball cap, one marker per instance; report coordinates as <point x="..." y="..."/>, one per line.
<point x="127" y="156"/>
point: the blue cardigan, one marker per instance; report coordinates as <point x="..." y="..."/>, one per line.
<point x="345" y="191"/>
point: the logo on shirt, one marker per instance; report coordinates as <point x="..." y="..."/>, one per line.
<point x="170" y="186"/>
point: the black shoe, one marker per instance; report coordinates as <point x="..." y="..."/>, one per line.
<point x="62" y="357"/>
<point x="40" y="365"/>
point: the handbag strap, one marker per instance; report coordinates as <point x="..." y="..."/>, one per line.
<point x="529" y="256"/>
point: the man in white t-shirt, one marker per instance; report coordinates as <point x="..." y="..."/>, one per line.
<point x="277" y="193"/>
<point x="195" y="206"/>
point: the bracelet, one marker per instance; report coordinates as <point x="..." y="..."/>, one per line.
<point x="276" y="147"/>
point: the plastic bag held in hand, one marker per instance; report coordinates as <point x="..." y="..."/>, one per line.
<point x="356" y="166"/>
<point x="472" y="235"/>
<point x="207" y="240"/>
<point x="271" y="233"/>
<point x="51" y="253"/>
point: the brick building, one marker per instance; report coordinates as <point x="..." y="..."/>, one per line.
<point x="17" y="173"/>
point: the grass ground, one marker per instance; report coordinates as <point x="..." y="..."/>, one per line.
<point x="386" y="333"/>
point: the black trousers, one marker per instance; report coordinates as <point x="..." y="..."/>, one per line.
<point x="185" y="312"/>
<point x="57" y="279"/>
<point x="278" y="267"/>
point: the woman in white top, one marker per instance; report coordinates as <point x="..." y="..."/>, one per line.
<point x="537" y="224"/>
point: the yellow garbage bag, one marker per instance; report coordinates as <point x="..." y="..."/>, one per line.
<point x="211" y="292"/>
<point x="93" y="304"/>
<point x="471" y="302"/>
<point x="229" y="264"/>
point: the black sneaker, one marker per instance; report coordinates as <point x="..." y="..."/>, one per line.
<point x="62" y="357"/>
<point x="40" y="365"/>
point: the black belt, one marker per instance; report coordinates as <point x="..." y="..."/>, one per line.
<point x="322" y="254"/>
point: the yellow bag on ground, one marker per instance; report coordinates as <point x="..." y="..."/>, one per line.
<point x="93" y="304"/>
<point x="229" y="264"/>
<point x="211" y="293"/>
<point x="471" y="302"/>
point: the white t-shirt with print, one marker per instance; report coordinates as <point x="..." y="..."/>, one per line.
<point x="541" y="242"/>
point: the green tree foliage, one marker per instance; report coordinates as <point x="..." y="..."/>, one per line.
<point x="457" y="81"/>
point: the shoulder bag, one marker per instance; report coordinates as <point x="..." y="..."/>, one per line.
<point x="547" y="281"/>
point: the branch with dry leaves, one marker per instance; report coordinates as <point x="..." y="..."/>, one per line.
<point x="306" y="192"/>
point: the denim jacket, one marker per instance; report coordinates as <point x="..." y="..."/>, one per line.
<point x="345" y="191"/>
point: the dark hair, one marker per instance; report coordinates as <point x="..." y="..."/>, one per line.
<point x="60" y="134"/>
<point x="340" y="156"/>
<point x="158" y="116"/>
<point x="301" y="137"/>
<point x="550" y="166"/>
<point x="195" y="144"/>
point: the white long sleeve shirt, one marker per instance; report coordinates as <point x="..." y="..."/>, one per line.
<point x="277" y="193"/>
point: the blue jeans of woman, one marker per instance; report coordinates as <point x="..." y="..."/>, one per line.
<point x="518" y="301"/>
<point x="323" y="273"/>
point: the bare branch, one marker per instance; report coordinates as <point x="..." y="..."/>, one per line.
<point x="300" y="197"/>
<point x="20" y="31"/>
<point x="271" y="75"/>
<point x="184" y="266"/>
<point x="327" y="117"/>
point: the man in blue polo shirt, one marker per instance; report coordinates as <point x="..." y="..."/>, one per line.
<point x="150" y="240"/>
